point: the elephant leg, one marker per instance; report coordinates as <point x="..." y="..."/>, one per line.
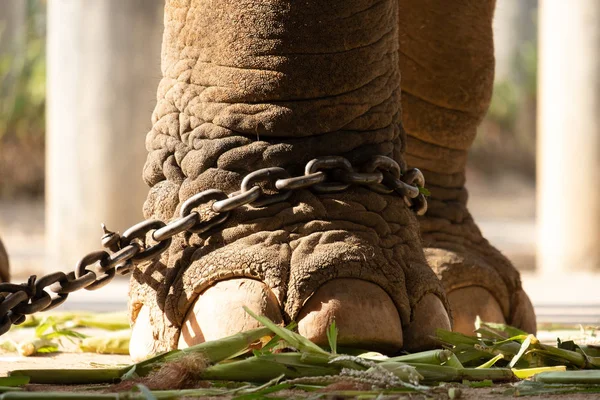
<point x="249" y="85"/>
<point x="447" y="65"/>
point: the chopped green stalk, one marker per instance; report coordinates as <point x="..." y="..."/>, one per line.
<point x="109" y="321"/>
<point x="115" y="343"/>
<point x="4" y="389"/>
<point x="8" y="346"/>
<point x="298" y="359"/>
<point x="406" y="372"/>
<point x="529" y="372"/>
<point x="569" y="377"/>
<point x="435" y="357"/>
<point x="490" y="363"/>
<point x="214" y="350"/>
<point x="440" y="373"/>
<point x="33" y="347"/>
<point x="12" y="381"/>
<point x="261" y="369"/>
<point x="63" y="396"/>
<point x="573" y="357"/>
<point x="71" y="376"/>
<point x="437" y="373"/>
<point x="591" y="351"/>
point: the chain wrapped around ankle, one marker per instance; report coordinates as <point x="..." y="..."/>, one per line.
<point x="200" y="214"/>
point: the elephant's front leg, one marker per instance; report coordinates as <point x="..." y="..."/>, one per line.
<point x="251" y="84"/>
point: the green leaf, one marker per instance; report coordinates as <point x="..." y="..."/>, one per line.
<point x="143" y="389"/>
<point x="424" y="191"/>
<point x="63" y="333"/>
<point x="45" y="324"/>
<point x="295" y="340"/>
<point x="490" y="363"/>
<point x="332" y="334"/>
<point x="524" y="346"/>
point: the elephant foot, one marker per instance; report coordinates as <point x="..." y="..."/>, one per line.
<point x="365" y="316"/>
<point x="479" y="280"/>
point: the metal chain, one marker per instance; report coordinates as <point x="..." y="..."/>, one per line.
<point x="199" y="214"/>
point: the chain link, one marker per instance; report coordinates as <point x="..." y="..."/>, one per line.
<point x="200" y="214"/>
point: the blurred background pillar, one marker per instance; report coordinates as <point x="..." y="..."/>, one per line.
<point x="568" y="204"/>
<point x="514" y="24"/>
<point x="13" y="29"/>
<point x="103" y="71"/>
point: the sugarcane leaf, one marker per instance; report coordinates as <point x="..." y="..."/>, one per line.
<point x="63" y="333"/>
<point x="143" y="389"/>
<point x="508" y="330"/>
<point x="261" y="394"/>
<point x="454" y="338"/>
<point x="518" y="338"/>
<point x="45" y="324"/>
<point x="276" y="342"/>
<point x="295" y="340"/>
<point x="130" y="373"/>
<point x="490" y="363"/>
<point x="524" y="347"/>
<point x="489" y="333"/>
<point x="526" y="373"/>
<point x="332" y="334"/>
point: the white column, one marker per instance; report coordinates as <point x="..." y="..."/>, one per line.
<point x="568" y="208"/>
<point x="103" y="70"/>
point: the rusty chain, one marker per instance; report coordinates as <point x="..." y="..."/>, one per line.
<point x="332" y="174"/>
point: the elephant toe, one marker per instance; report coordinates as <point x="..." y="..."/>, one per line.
<point x="468" y="303"/>
<point x="218" y="312"/>
<point x="364" y="314"/>
<point x="429" y="315"/>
